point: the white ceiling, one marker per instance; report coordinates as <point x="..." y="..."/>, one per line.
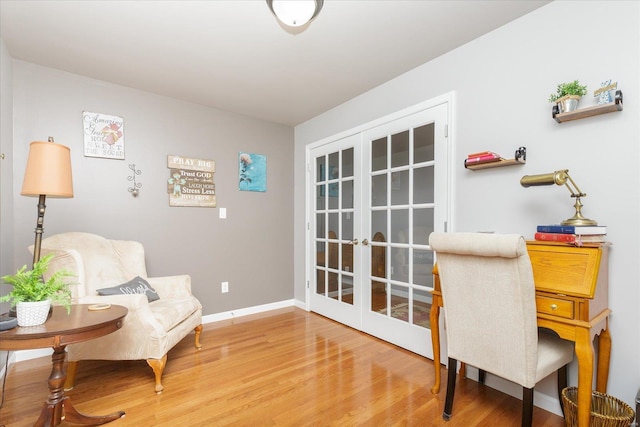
<point x="233" y="54"/>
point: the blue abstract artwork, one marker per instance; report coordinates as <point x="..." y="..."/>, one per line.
<point x="253" y="172"/>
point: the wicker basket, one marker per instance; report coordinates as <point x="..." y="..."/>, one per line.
<point x="606" y="411"/>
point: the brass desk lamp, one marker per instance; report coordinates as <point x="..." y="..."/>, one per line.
<point x="561" y="177"/>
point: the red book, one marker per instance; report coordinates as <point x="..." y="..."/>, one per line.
<point x="485" y="158"/>
<point x="555" y="237"/>
<point x="479" y="154"/>
<point x="569" y="238"/>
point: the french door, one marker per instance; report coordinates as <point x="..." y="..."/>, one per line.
<point x="378" y="194"/>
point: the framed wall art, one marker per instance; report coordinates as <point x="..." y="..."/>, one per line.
<point x="252" y="172"/>
<point x="103" y="135"/>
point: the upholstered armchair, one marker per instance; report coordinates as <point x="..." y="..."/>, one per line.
<point x="490" y="305"/>
<point x="103" y="268"/>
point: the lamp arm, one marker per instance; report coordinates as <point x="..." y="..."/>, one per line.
<point x="575" y="191"/>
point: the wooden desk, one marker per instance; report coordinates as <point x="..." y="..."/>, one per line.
<point x="572" y="289"/>
<point x="60" y="330"/>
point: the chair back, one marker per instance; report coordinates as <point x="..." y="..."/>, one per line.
<point x="95" y="261"/>
<point x="489" y="302"/>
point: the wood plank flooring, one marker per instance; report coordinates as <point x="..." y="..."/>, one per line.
<point x="286" y="367"/>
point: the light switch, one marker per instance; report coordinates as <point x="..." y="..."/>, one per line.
<point x="223" y="213"/>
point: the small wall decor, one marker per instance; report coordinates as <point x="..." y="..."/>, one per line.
<point x="604" y="93"/>
<point x="252" y="172"/>
<point x="190" y="182"/>
<point x="136" y="185"/>
<point x="103" y="135"/>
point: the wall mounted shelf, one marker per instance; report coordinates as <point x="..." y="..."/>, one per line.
<point x="589" y="111"/>
<point x="520" y="159"/>
<point x="500" y="163"/>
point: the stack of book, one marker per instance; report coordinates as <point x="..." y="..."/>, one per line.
<point x="573" y="234"/>
<point x="482" y="157"/>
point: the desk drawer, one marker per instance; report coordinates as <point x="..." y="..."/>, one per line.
<point x="555" y="306"/>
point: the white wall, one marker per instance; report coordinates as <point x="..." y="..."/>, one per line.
<point x="502" y="82"/>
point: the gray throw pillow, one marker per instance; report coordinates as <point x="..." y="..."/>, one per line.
<point x="137" y="285"/>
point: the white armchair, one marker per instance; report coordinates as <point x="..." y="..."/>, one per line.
<point x="150" y="329"/>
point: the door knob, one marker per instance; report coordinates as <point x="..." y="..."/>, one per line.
<point x="353" y="242"/>
<point x="365" y="242"/>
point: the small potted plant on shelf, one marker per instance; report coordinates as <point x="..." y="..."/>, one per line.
<point x="567" y="95"/>
<point x="32" y="295"/>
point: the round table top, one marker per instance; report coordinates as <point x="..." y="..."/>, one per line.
<point x="62" y="329"/>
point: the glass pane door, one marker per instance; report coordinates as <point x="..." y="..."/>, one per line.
<point x="374" y="199"/>
<point x="334" y="223"/>
<point x="401" y="201"/>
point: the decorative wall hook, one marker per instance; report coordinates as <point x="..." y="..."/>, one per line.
<point x="134" y="190"/>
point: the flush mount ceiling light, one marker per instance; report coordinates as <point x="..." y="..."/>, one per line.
<point x="295" y="13"/>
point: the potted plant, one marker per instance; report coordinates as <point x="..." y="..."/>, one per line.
<point x="567" y="95"/>
<point x="30" y="291"/>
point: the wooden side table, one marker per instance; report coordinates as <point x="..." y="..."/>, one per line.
<point x="572" y="289"/>
<point x="57" y="332"/>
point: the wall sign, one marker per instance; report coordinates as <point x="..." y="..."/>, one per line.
<point x="190" y="182"/>
<point x="103" y="135"/>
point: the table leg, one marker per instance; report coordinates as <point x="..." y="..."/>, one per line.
<point x="58" y="407"/>
<point x="604" y="356"/>
<point x="584" y="353"/>
<point x="434" y="317"/>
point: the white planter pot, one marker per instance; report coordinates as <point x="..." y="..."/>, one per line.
<point x="32" y="313"/>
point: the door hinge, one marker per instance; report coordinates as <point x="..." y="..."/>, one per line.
<point x="307" y="284"/>
<point x="446" y="131"/>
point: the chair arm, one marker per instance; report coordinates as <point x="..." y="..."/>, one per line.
<point x="139" y="316"/>
<point x="172" y="286"/>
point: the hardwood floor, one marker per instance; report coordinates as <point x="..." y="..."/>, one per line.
<point x="282" y="368"/>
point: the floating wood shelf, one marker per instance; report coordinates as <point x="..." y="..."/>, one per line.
<point x="589" y="111"/>
<point x="500" y="163"/>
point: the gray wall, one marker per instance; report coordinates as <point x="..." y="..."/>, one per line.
<point x="502" y="82"/>
<point x="251" y="249"/>
<point x="6" y="175"/>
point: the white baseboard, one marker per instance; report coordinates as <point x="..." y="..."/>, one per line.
<point x="232" y="314"/>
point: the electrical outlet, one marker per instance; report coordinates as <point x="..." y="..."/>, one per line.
<point x="224" y="287"/>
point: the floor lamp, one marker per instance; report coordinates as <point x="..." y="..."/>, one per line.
<point x="48" y="173"/>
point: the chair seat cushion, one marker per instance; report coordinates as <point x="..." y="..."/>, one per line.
<point x="171" y="312"/>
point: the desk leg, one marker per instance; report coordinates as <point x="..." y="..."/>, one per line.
<point x="584" y="353"/>
<point x="604" y="356"/>
<point x="434" y="317"/>
<point x="58" y="407"/>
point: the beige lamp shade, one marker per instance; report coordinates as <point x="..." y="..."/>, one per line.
<point x="48" y="171"/>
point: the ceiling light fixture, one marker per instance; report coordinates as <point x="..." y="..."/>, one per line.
<point x="295" y="13"/>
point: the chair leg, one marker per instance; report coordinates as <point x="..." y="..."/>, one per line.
<point x="451" y="388"/>
<point x="198" y="331"/>
<point x="482" y="374"/>
<point x="70" y="381"/>
<point x="527" y="406"/>
<point x="158" y="368"/>
<point x="562" y="384"/>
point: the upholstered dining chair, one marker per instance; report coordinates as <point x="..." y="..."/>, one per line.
<point x="489" y="301"/>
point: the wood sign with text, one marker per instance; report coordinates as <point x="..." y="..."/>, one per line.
<point x="190" y="182"/>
